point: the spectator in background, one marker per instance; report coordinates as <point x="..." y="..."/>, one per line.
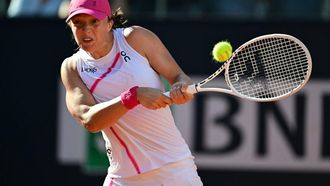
<point x="33" y="8"/>
<point x="296" y="9"/>
<point x="261" y="9"/>
<point x="240" y="9"/>
<point x="142" y="7"/>
<point x="3" y="7"/>
<point x="326" y="9"/>
<point x="63" y="9"/>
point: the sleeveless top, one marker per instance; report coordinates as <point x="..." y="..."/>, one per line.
<point x="142" y="139"/>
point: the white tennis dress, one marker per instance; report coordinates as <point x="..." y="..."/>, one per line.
<point x="143" y="140"/>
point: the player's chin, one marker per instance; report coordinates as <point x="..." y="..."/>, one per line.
<point x="89" y="47"/>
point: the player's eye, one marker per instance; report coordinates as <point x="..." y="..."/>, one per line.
<point x="95" y="22"/>
<point x="78" y="24"/>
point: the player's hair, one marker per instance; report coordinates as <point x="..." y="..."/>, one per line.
<point x="119" y="21"/>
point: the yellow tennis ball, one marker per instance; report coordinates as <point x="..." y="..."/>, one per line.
<point x="222" y="51"/>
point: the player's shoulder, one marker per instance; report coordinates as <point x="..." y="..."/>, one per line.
<point x="138" y="33"/>
<point x="141" y="39"/>
<point x="69" y="63"/>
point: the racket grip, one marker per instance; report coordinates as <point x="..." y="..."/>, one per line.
<point x="191" y="89"/>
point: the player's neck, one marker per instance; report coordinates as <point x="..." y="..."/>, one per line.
<point x="103" y="49"/>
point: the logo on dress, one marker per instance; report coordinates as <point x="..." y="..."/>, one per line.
<point x="89" y="69"/>
<point x="125" y="56"/>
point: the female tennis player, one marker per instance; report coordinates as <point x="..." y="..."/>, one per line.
<point x="113" y="86"/>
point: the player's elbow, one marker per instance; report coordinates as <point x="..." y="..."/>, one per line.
<point x="94" y="125"/>
<point x="91" y="128"/>
<point x="90" y="125"/>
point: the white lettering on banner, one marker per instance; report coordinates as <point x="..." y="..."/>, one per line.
<point x="227" y="132"/>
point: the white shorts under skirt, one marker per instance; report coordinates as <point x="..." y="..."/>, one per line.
<point x="181" y="173"/>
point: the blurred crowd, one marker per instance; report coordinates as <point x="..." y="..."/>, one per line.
<point x="240" y="9"/>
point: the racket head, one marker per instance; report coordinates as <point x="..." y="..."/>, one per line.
<point x="269" y="68"/>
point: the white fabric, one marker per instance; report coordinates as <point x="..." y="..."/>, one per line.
<point x="143" y="139"/>
<point x="182" y="173"/>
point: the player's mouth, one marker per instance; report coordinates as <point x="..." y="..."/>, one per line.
<point x="87" y="40"/>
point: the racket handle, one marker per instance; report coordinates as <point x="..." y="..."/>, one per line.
<point x="191" y="89"/>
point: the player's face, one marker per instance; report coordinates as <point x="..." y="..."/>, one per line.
<point x="91" y="34"/>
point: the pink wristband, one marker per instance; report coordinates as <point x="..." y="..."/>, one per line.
<point x="129" y="98"/>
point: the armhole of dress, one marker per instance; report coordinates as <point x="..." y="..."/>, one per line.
<point x="78" y="64"/>
<point x="122" y="39"/>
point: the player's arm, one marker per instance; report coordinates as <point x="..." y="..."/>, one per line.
<point x="150" y="46"/>
<point x="82" y="105"/>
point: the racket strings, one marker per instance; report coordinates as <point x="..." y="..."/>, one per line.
<point x="268" y="68"/>
<point x="279" y="58"/>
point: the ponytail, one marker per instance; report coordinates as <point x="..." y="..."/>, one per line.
<point x="118" y="18"/>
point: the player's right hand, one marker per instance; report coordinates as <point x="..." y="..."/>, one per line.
<point x="152" y="98"/>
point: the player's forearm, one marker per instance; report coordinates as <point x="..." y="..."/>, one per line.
<point x="102" y="115"/>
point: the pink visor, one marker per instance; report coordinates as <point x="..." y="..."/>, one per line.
<point x="99" y="9"/>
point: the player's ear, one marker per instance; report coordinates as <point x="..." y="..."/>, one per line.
<point x="110" y="24"/>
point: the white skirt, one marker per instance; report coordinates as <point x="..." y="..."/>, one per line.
<point x="181" y="173"/>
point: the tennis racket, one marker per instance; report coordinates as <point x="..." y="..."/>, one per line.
<point x="267" y="68"/>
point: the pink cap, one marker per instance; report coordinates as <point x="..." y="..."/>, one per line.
<point x="97" y="8"/>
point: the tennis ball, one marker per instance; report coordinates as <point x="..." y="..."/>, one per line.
<point x="222" y="51"/>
